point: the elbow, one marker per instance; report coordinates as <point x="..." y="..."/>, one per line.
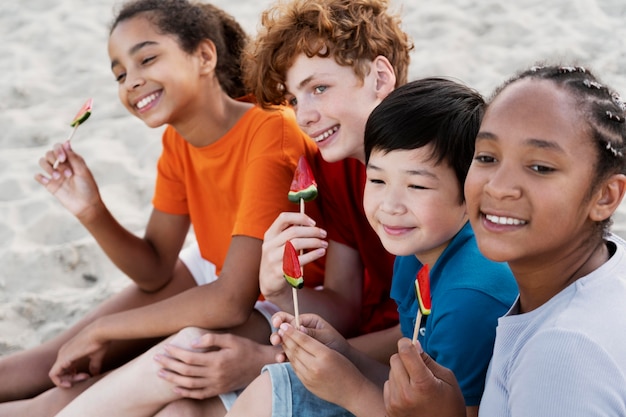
<point x="153" y="284"/>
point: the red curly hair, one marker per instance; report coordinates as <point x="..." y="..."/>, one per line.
<point x="353" y="32"/>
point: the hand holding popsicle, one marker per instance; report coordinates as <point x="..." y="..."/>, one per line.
<point x="303" y="188"/>
<point x="422" y="292"/>
<point x="82" y="115"/>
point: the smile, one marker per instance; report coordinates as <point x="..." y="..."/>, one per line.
<point x="147" y="100"/>
<point x="326" y="134"/>
<point x="505" y="220"/>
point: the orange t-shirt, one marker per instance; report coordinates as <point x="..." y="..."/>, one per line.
<point x="235" y="186"/>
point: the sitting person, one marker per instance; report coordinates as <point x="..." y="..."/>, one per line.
<point x="176" y="64"/>
<point x="419" y="144"/>
<point x="547" y="175"/>
<point x="357" y="278"/>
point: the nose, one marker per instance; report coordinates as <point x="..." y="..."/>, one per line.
<point x="133" y="82"/>
<point x="391" y="201"/>
<point x="503" y="183"/>
<point x="306" y="113"/>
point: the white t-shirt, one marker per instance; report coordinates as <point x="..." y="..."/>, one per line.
<point x="567" y="357"/>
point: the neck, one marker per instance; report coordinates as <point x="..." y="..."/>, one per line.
<point x="214" y="117"/>
<point x="543" y="278"/>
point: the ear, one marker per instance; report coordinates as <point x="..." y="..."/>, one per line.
<point x="385" y="76"/>
<point x="207" y="55"/>
<point x="608" y="198"/>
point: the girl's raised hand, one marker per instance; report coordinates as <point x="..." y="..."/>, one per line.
<point x="301" y="231"/>
<point x="71" y="182"/>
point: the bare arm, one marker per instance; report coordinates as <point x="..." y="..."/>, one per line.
<point x="150" y="260"/>
<point x="224" y="303"/>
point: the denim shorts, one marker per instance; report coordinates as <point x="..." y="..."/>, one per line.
<point x="291" y="398"/>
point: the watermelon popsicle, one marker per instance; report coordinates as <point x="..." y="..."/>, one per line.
<point x="82" y="115"/>
<point x="422" y="293"/>
<point x="303" y="188"/>
<point x="292" y="272"/>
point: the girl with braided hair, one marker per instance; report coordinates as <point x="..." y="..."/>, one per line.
<point x="548" y="172"/>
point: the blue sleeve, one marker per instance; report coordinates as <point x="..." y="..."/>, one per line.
<point x="460" y="335"/>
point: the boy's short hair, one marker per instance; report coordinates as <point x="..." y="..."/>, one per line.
<point x="435" y="111"/>
<point x="353" y="32"/>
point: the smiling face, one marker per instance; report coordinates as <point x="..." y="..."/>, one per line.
<point x="157" y="79"/>
<point x="332" y="104"/>
<point x="413" y="205"/>
<point x="528" y="189"/>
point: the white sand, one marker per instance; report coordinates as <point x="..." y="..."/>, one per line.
<point x="53" y="57"/>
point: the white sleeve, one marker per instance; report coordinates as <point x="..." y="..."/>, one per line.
<point x="563" y="373"/>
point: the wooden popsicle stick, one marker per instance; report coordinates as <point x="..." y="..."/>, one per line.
<point x="418" y="321"/>
<point x="57" y="162"/>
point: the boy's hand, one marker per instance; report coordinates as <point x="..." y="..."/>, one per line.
<point x="221" y="362"/>
<point x="311" y="325"/>
<point x="418" y="385"/>
<point x="301" y="231"/>
<point x="314" y="352"/>
<point x="71" y="183"/>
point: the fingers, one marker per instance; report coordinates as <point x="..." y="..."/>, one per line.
<point x="64" y="375"/>
<point x="285" y="220"/>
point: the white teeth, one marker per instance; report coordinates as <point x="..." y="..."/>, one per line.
<point x="326" y="134"/>
<point x="504" y="220"/>
<point x="146" y="100"/>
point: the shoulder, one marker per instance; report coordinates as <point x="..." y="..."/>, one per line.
<point x="463" y="267"/>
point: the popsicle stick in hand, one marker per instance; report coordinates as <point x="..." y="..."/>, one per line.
<point x="422" y="293"/>
<point x="82" y="115"/>
<point x="292" y="272"/>
<point x="303" y="188"/>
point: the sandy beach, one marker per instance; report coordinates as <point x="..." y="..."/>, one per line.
<point x="53" y="57"/>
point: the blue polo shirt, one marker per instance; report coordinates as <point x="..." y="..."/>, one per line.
<point x="469" y="293"/>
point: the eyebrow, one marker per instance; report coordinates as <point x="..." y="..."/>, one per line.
<point x="420" y="172"/>
<point x="532" y="142"/>
<point x="136" y="48"/>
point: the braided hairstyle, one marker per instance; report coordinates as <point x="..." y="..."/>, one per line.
<point x="601" y="109"/>
<point x="352" y="32"/>
<point x="192" y="23"/>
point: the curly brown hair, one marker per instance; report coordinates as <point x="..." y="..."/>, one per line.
<point x="353" y="32"/>
<point x="192" y="22"/>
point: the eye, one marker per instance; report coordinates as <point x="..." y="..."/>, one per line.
<point x="542" y="169"/>
<point x="375" y="181"/>
<point x="319" y="89"/>
<point x="120" y="77"/>
<point x="418" y="187"/>
<point x="484" y="159"/>
<point x="292" y="101"/>
<point x="148" y="60"/>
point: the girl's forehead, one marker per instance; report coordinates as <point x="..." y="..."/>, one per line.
<point x="536" y="109"/>
<point x="534" y="101"/>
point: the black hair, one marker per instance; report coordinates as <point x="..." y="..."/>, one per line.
<point x="191" y="23"/>
<point x="436" y="111"/>
<point x="601" y="109"/>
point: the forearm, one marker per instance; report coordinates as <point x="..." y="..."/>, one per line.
<point x="372" y="369"/>
<point x="133" y="255"/>
<point x="209" y="307"/>
<point x="367" y="401"/>
<point x="378" y="345"/>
